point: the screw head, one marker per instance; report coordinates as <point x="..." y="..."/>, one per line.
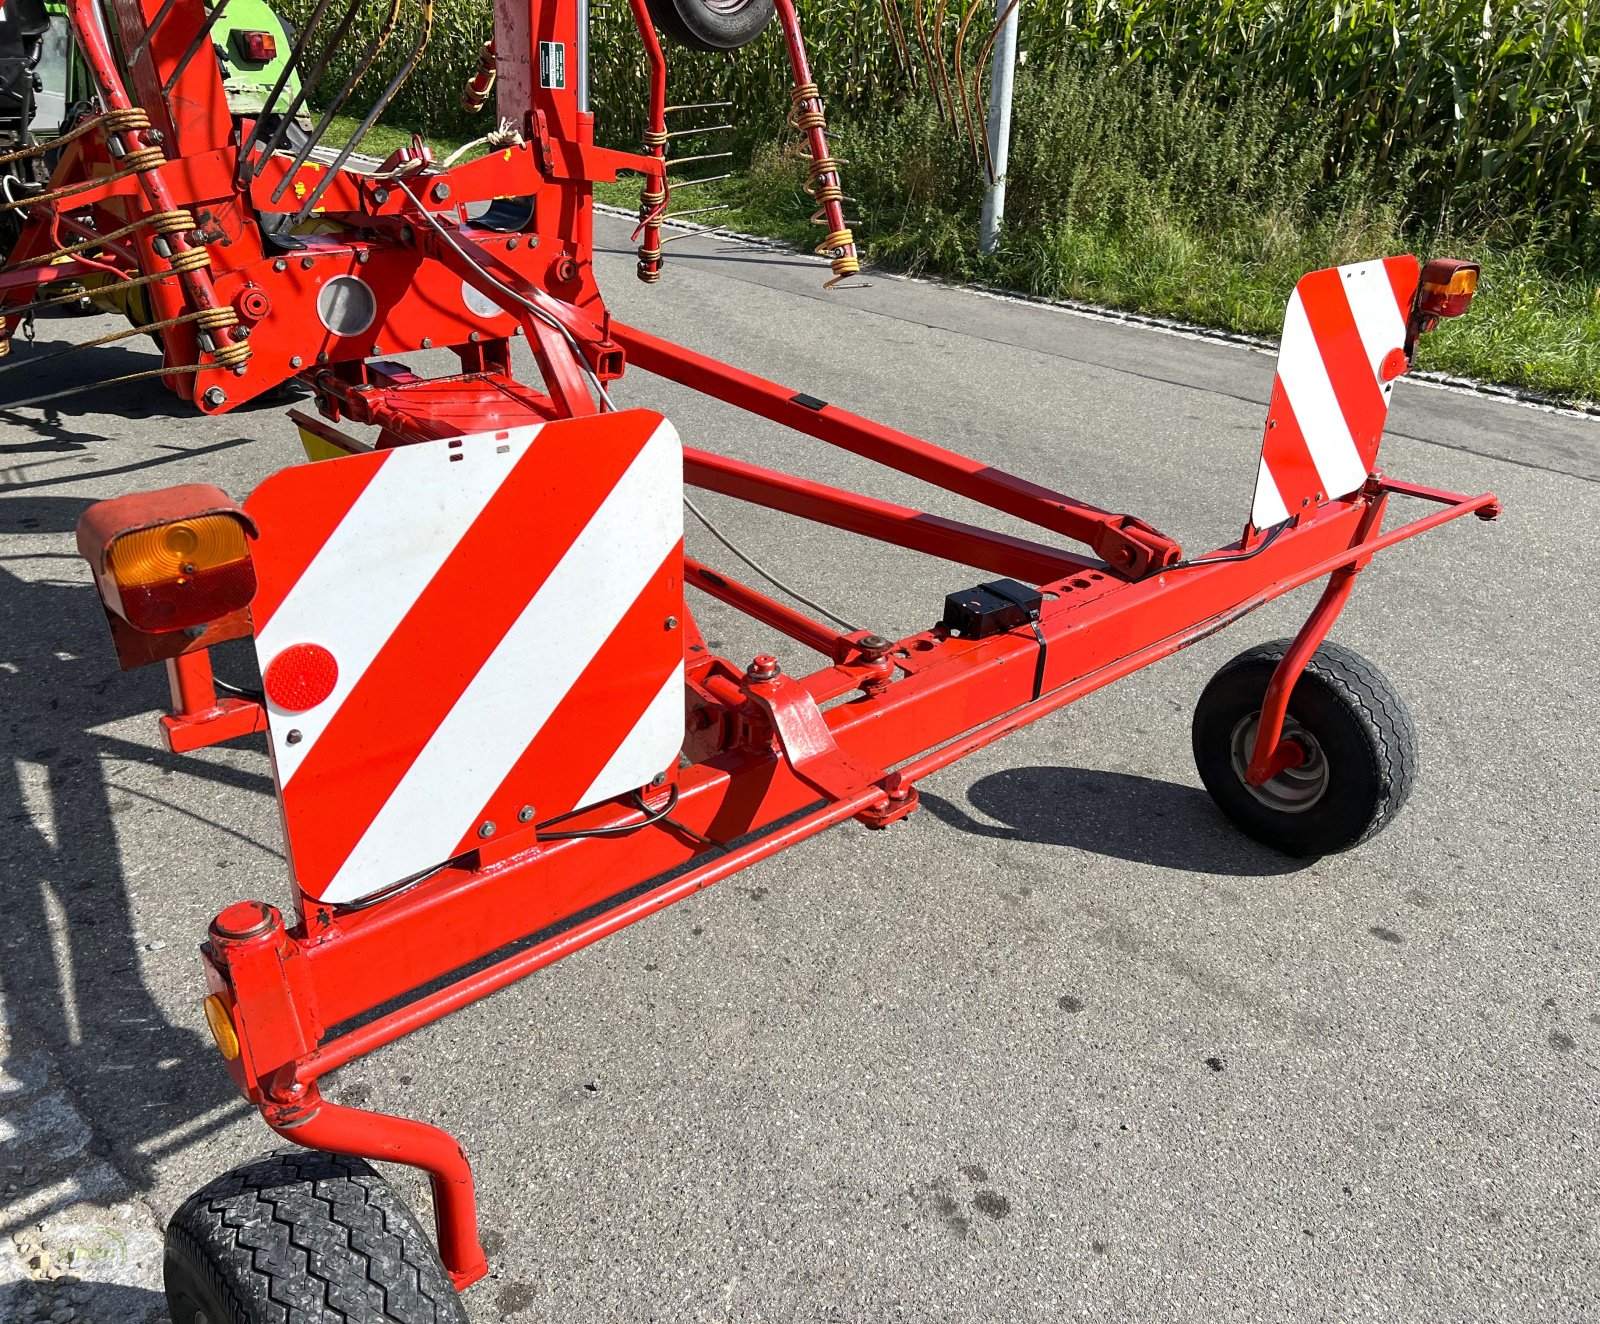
<point x="672" y="623"/>
<point x="281" y="264"/>
<point x="293" y="737"/>
<point x="380" y="196"/>
<point x="659" y="779"/>
<point x="441" y="191"/>
<point x="215" y="397"/>
<point x="362" y="257"/>
<point x="475" y="337"/>
<point x="306" y="263"/>
<point x="486" y="829"/>
<point x="525" y="814"/>
<point x="296" y="362"/>
<point x="427" y="342"/>
<point x="512" y="242"/>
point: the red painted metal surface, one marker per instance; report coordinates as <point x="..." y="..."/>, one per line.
<point x="769" y="758"/>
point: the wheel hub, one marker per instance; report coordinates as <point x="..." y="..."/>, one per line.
<point x="1294" y="790"/>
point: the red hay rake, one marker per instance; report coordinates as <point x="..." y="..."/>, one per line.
<point x="497" y="734"/>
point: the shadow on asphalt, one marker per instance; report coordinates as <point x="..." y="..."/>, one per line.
<point x="71" y="978"/>
<point x="1111" y="813"/>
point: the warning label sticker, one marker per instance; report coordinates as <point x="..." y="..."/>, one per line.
<point x="552" y="64"/>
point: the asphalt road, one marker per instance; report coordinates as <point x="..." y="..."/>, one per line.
<point x="1062" y="1046"/>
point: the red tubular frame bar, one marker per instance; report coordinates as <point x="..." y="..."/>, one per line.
<point x="1128" y="545"/>
<point x="299" y="996"/>
<point x="770" y="766"/>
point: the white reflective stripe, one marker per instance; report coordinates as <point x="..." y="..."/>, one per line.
<point x="547" y="648"/>
<point x="1378" y="316"/>
<point x="653" y="743"/>
<point x="1268" y="508"/>
<point x="1316" y="407"/>
<point x="397" y="534"/>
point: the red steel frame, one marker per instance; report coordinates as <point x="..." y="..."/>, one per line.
<point x="768" y="765"/>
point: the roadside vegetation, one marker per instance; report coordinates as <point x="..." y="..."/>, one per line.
<point x="1185" y="158"/>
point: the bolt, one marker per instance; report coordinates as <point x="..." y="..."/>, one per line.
<point x="296" y="361"/>
<point x="441" y="191"/>
<point x="873" y="643"/>
<point x="672" y="623"/>
<point x="214" y="398"/>
<point x="241" y="333"/>
<point x="512" y="242"/>
<point x="282" y="264"/>
<point x="659" y="779"/>
<point x="475" y="337"/>
<point x="427" y="342"/>
<point x="380" y="196"/>
<point x="362" y="256"/>
<point x="405" y="234"/>
<point x="525" y="814"/>
<point x="306" y="263"/>
<point x="293" y="737"/>
<point x="764" y="667"/>
<point x="322" y="357"/>
<point x="375" y="348"/>
<point x="486" y="829"/>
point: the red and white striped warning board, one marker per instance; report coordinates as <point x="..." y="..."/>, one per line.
<point x="463" y="637"/>
<point x="1343" y="345"/>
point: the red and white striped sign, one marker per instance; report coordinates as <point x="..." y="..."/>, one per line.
<point x="471" y="631"/>
<point x="1343" y="346"/>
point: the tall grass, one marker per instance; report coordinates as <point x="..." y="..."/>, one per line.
<point x="1191" y="157"/>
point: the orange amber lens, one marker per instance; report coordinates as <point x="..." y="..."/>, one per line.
<point x="176" y="551"/>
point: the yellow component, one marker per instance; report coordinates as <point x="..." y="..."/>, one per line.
<point x="220" y="1021"/>
<point x="1464" y="281"/>
<point x="175" y="551"/>
<point x="320" y="448"/>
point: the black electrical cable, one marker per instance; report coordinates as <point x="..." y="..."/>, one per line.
<point x="651" y="817"/>
<point x="1272" y="537"/>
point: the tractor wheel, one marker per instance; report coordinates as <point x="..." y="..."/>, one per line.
<point x="1360" y="745"/>
<point x="303" y="1236"/>
<point x="711" y="25"/>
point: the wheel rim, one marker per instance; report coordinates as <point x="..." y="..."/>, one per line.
<point x="1294" y="790"/>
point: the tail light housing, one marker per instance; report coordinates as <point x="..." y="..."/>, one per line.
<point x="1446" y="290"/>
<point x="259" y="47"/>
<point x="172" y="562"/>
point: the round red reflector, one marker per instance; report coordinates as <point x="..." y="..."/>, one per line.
<point x="1394" y="363"/>
<point x="301" y="677"/>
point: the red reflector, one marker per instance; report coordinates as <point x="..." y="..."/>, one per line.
<point x="262" y="46"/>
<point x="1394" y="363"/>
<point x="301" y="677"/>
<point x="195" y="599"/>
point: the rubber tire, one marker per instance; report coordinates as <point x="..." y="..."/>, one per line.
<point x="1361" y="723"/>
<point x="303" y="1237"/>
<point x="697" y="26"/>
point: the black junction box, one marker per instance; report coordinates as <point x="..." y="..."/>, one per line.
<point x="993" y="608"/>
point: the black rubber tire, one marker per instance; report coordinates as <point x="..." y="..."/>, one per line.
<point x="1365" y="757"/>
<point x="711" y="25"/>
<point x="303" y="1237"/>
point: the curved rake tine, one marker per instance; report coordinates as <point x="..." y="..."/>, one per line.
<point x="289" y="66"/>
<point x="334" y="106"/>
<point x="201" y="38"/>
<point x="382" y="104"/>
<point x="308" y="82"/>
